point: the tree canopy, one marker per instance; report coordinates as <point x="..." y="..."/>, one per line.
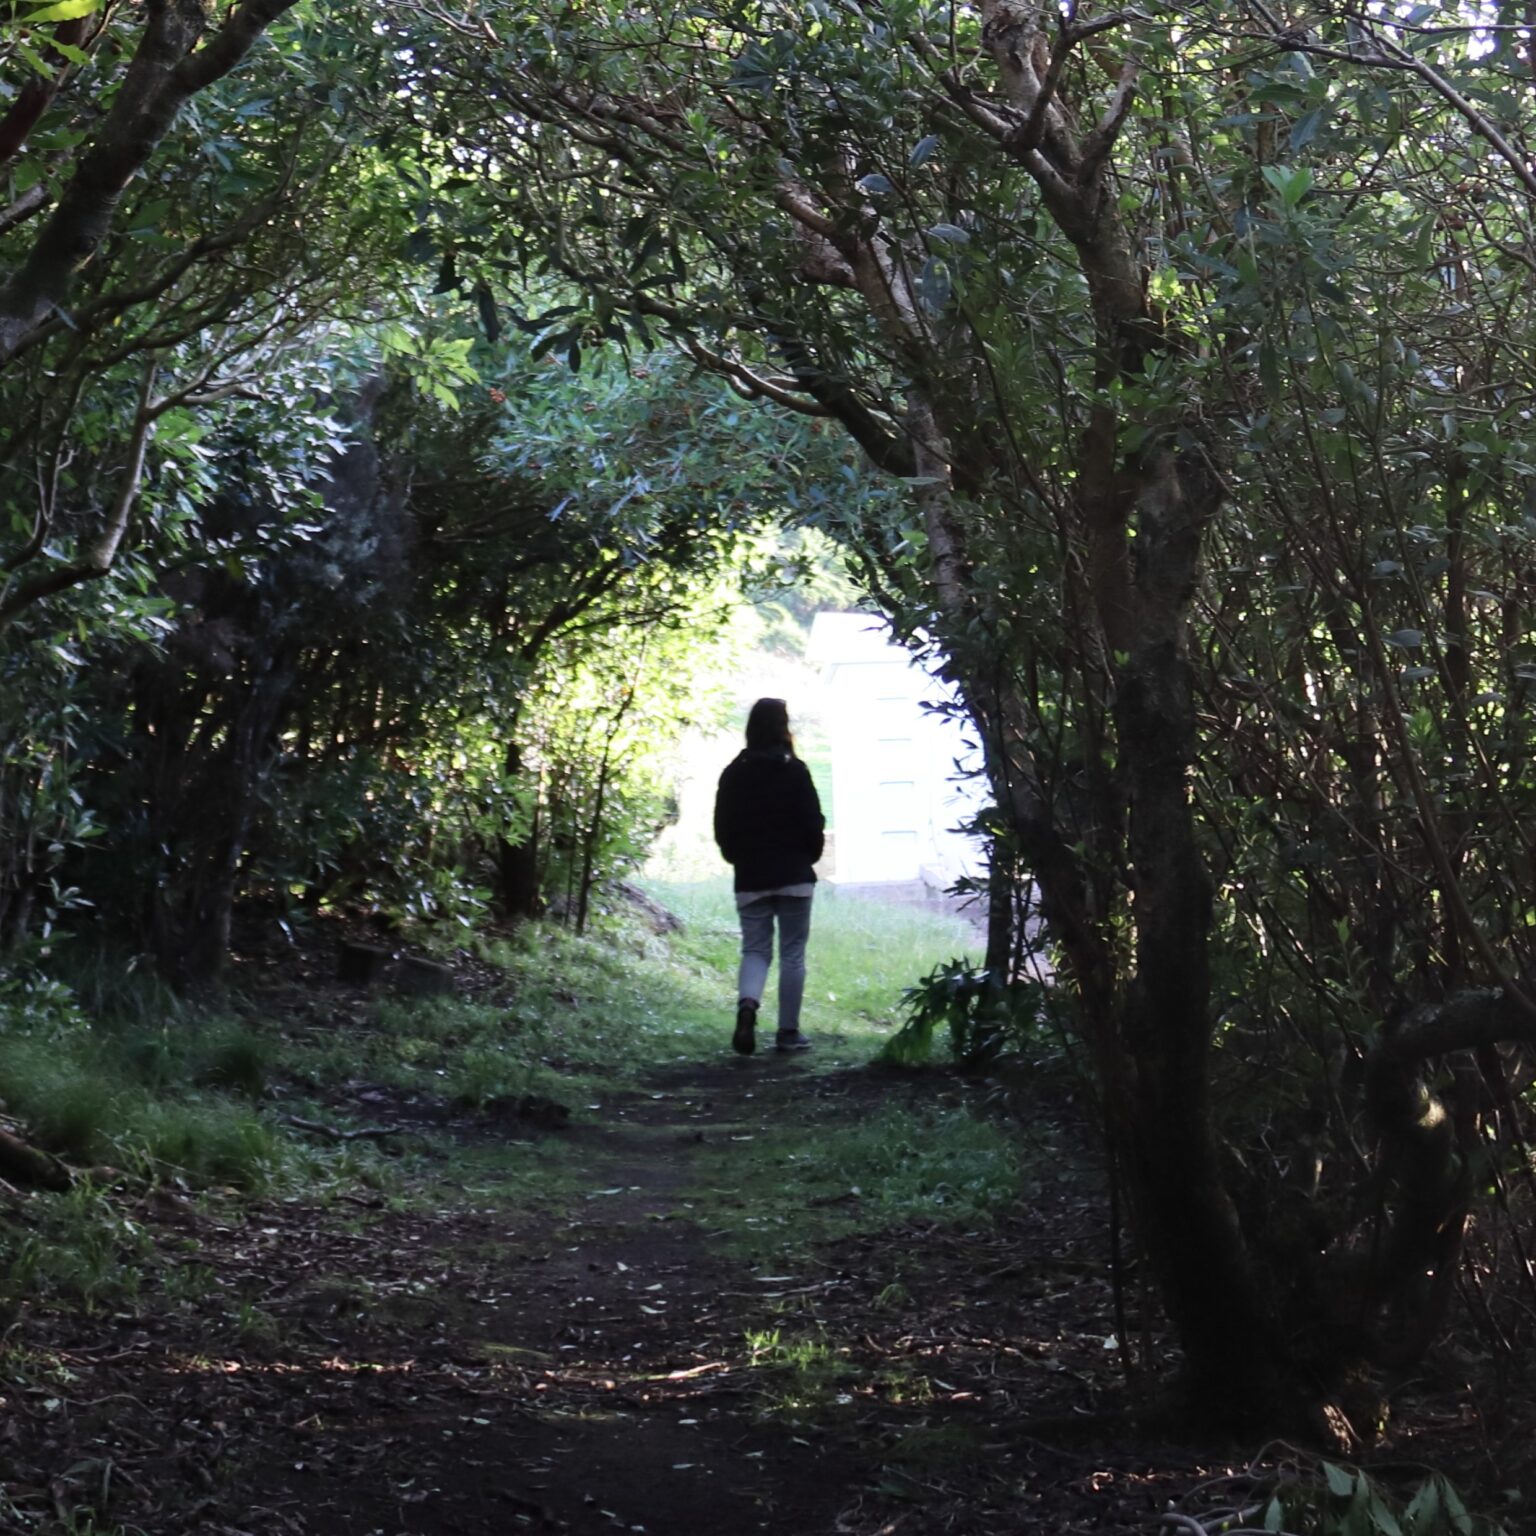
<point x="1166" y="371"/>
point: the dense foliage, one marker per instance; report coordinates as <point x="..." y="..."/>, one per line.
<point x="1193" y="346"/>
<point x="1198" y="339"/>
<point x="315" y="577"/>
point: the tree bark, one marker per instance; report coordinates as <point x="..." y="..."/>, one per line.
<point x="519" y="892"/>
<point x="208" y="824"/>
<point x="29" y="1165"/>
<point x="32" y="101"/>
<point x="1168" y="1142"/>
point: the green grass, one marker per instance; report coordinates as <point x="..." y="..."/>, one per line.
<point x="862" y="954"/>
<point x="938" y="1449"/>
<point x="580" y="1019"/>
<point x="468" y="1052"/>
<point x="805" y="1370"/>
<point x="79" y="1246"/>
<point x="92" y="1099"/>
<point x="154" y="1088"/>
<point x="884" y="1166"/>
<point x="576" y="1017"/>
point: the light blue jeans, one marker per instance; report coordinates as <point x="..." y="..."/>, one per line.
<point x="757" y="918"/>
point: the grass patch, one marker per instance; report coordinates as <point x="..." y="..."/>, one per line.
<point x="862" y="955"/>
<point x="886" y="1167"/>
<point x="77" y="1246"/>
<point x="805" y="1370"/>
<point x="577" y="1018"/>
<point x="937" y="1449"/>
<point x="546" y="1176"/>
<point x="155" y="1089"/>
<point x="583" y="1019"/>
<point x="83" y="1098"/>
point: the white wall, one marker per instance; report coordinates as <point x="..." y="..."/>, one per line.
<point x="894" y="790"/>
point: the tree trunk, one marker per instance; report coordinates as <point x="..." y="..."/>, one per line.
<point x="519" y="888"/>
<point x="194" y="910"/>
<point x="1002" y="881"/>
<point x="1166" y="1136"/>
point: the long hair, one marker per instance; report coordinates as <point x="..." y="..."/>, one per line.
<point x="768" y="727"/>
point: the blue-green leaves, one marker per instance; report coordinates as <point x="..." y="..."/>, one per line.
<point x="1306" y="127"/>
<point x="924" y="151"/>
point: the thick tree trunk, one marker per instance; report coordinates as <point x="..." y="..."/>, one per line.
<point x="1168" y="1141"/>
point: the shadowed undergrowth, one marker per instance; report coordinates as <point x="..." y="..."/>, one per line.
<point x="710" y="1293"/>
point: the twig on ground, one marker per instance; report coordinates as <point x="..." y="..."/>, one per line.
<point x="332" y="1134"/>
<point x="697" y="1370"/>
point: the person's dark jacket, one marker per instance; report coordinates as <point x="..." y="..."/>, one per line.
<point x="768" y="820"/>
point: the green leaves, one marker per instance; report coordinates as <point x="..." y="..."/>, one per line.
<point x="1344" y="1501"/>
<point x="36" y="15"/>
<point x="1292" y="185"/>
<point x="1306" y="127"/>
<point x="760" y="64"/>
<point x="1341" y="1483"/>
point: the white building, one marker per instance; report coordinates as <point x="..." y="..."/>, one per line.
<point x="896" y="792"/>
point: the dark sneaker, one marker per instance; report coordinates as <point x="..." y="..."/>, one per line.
<point x="744" y="1041"/>
<point x="794" y="1041"/>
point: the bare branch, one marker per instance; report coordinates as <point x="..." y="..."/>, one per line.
<point x="750" y="385"/>
<point x="796" y="202"/>
<point x="1487" y="1016"/>
<point x="33" y="200"/>
<point x="1030" y="132"/>
<point x="1099" y="143"/>
<point x="1385" y="53"/>
<point x="612" y="110"/>
<point x="32" y="100"/>
<point x="98" y="557"/>
<point x="163" y="74"/>
<point x="229" y="45"/>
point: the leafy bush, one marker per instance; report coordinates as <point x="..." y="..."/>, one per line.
<point x="981" y="1015"/>
<point x="1327" y="1499"/>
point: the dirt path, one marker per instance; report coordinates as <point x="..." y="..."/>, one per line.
<point x="612" y="1352"/>
<point x="643" y="1357"/>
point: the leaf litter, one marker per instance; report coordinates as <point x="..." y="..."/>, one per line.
<point x="353" y="1369"/>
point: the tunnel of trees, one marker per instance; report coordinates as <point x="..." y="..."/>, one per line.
<point x="392" y="394"/>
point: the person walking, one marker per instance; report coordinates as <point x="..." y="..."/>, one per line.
<point x="770" y="828"/>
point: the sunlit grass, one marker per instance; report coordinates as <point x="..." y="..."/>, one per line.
<point x="806" y="1369"/>
<point x="166" y="1094"/>
<point x="581" y="1014"/>
<point x="862" y="955"/>
<point x="584" y="1019"/>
